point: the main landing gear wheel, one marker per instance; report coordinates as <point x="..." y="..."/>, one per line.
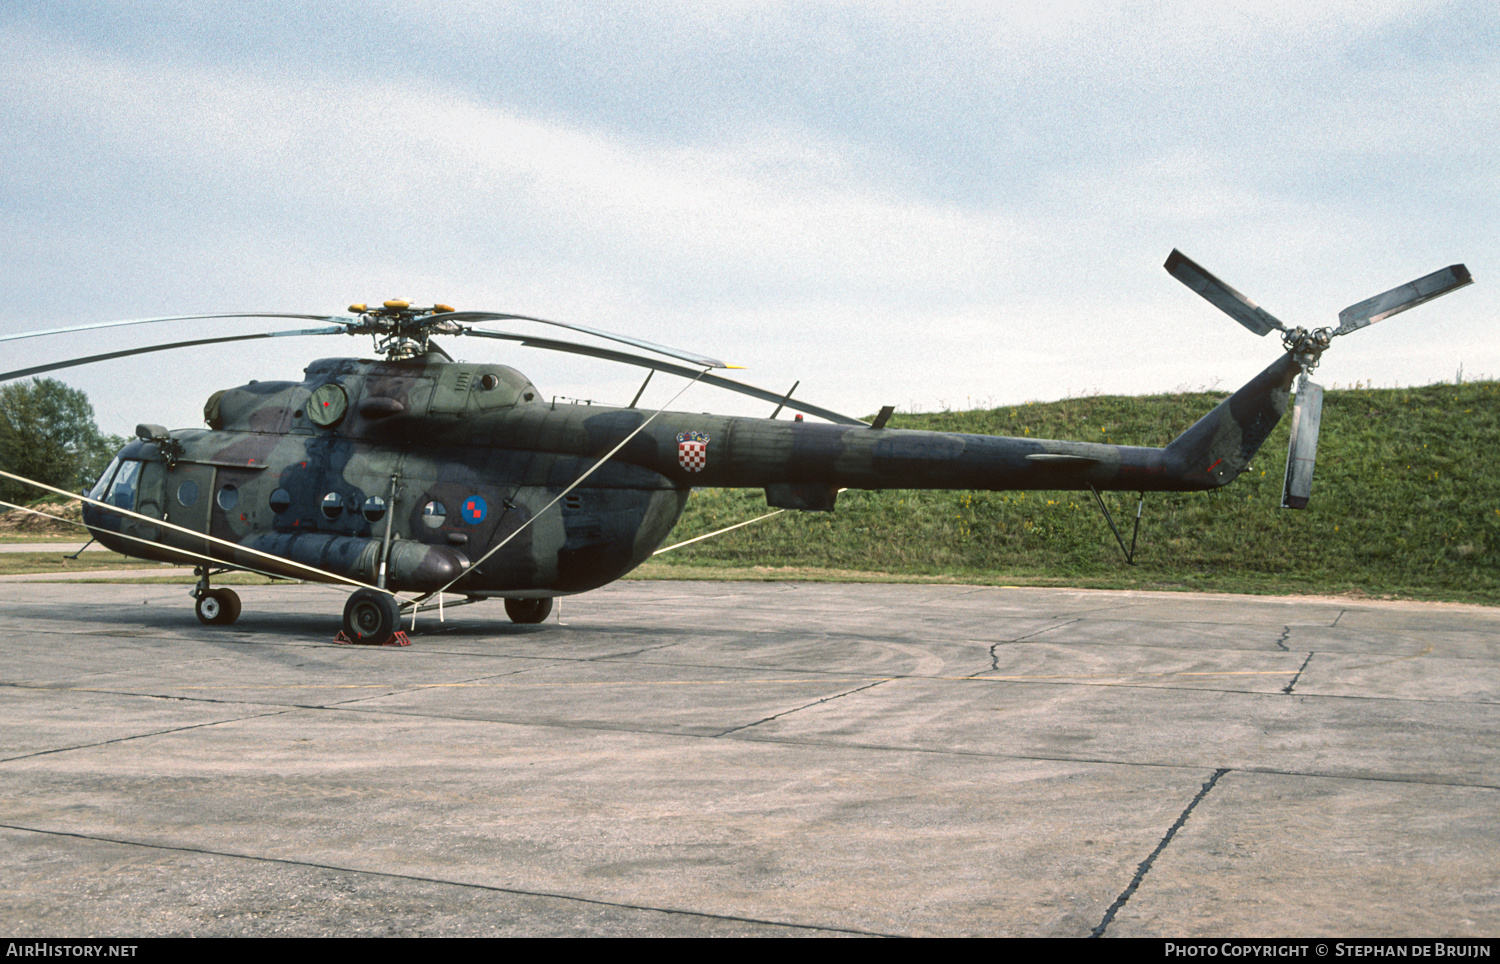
<point x="218" y="607"/>
<point x="371" y="617"/>
<point x="529" y="610"/>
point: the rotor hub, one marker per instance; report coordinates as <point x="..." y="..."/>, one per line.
<point x="1307" y="346"/>
<point x="401" y="330"/>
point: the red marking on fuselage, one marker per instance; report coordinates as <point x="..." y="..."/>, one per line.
<point x="1214" y="466"/>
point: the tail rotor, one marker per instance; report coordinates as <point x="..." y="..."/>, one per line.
<point x="1307" y="348"/>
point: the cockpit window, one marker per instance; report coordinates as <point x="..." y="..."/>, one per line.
<point x="102" y="486"/>
<point x="122" y="489"/>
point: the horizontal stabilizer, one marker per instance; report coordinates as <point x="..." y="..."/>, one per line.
<point x="805" y="496"/>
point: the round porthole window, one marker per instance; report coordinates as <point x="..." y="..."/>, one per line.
<point x="187" y="493"/>
<point x="333" y="506"/>
<point x="281" y="500"/>
<point x="229" y="497"/>
<point x="374" y="508"/>
<point x="434" y="514"/>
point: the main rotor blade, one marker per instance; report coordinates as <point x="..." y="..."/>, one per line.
<point x="1402" y="297"/>
<point x="609" y="354"/>
<point x="153" y="321"/>
<point x="126" y="353"/>
<point x="688" y="356"/>
<point x="1220" y="295"/>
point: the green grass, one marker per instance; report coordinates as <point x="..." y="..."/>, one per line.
<point x="1404" y="505"/>
<point x="14" y="563"/>
<point x="140" y="570"/>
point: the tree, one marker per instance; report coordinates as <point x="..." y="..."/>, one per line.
<point x="48" y="433"/>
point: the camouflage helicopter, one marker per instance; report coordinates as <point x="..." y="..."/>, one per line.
<point x="413" y="473"/>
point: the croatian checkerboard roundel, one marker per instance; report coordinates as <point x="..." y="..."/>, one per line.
<point x="692" y="451"/>
<point x="473" y="509"/>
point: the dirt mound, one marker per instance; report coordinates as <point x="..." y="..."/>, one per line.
<point x="16" y="522"/>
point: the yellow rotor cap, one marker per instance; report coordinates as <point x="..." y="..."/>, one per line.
<point x="358" y="309"/>
<point x="397" y="303"/>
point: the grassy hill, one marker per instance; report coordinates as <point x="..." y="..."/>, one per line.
<point x="1405" y="503"/>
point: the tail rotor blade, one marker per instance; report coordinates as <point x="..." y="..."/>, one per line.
<point x="1307" y="415"/>
<point x="1220" y="295"/>
<point x="1402" y="297"/>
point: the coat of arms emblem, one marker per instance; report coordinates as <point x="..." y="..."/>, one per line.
<point x="692" y="451"/>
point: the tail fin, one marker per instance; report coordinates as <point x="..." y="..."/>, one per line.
<point x="1220" y="445"/>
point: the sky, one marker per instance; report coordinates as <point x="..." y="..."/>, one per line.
<point x="929" y="205"/>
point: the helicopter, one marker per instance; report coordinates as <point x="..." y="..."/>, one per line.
<point x="414" y="473"/>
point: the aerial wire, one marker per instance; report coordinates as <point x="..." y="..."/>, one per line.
<point x="717" y="532"/>
<point x="184" y="552"/>
<point x="193" y="533"/>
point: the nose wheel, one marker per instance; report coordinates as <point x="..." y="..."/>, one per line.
<point x="218" y="607"/>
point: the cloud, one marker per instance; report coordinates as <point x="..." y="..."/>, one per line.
<point x="899" y="202"/>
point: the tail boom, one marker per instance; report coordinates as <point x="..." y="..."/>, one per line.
<point x="803" y="465"/>
<point x="809" y="458"/>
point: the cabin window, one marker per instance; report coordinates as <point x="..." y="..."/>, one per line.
<point x="333" y="505"/>
<point x="187" y="493"/>
<point x="434" y="514"/>
<point x="373" y="509"/>
<point x="126" y="481"/>
<point x="229" y="497"/>
<point x="281" y="500"/>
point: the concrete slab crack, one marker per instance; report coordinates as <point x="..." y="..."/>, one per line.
<point x="995" y="647"/>
<point x="142" y="736"/>
<point x="798" y="709"/>
<point x="1145" y="866"/>
<point x="428" y="879"/>
<point x="1288" y="688"/>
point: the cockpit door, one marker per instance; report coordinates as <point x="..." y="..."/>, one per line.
<point x="150" y="501"/>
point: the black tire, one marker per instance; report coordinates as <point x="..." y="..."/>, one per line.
<point x="529" y="610"/>
<point x="218" y="607"/>
<point x="371" y="617"/>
